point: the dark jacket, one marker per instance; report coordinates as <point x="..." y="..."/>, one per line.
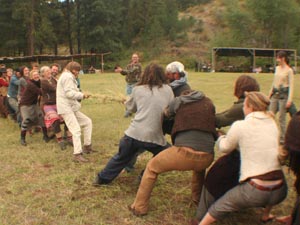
<point x="179" y="89"/>
<point x="168" y="122"/>
<point x="223" y="175"/>
<point x="231" y="115"/>
<point x="31" y="93"/>
<point x="49" y="91"/>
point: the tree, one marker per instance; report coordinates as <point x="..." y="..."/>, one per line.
<point x="275" y="21"/>
<point x="151" y="21"/>
<point x="260" y="23"/>
<point x="26" y="11"/>
<point x="9" y="41"/>
<point x="101" y="25"/>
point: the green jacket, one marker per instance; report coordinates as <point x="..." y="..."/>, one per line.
<point x="132" y="72"/>
<point x="231" y="115"/>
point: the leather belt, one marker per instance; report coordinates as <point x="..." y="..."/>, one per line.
<point x="265" y="188"/>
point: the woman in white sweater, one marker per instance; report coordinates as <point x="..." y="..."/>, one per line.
<point x="262" y="182"/>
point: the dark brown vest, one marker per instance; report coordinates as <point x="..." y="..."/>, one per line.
<point x="199" y="115"/>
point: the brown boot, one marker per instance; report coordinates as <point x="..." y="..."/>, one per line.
<point x="87" y="149"/>
<point x="79" y="158"/>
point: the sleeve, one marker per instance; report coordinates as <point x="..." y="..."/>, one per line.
<point x="272" y="85"/>
<point x="291" y="85"/>
<point x="124" y="72"/>
<point x="21" y="86"/>
<point x="135" y="68"/>
<point x="15" y="81"/>
<point x="71" y="90"/>
<point x="227" y="143"/>
<point x="131" y="103"/>
<point x="229" y="116"/>
<point x="173" y="107"/>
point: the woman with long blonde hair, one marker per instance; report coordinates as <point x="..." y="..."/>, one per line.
<point x="262" y="182"/>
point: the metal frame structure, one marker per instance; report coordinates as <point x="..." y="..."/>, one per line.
<point x="250" y="52"/>
<point x="40" y="58"/>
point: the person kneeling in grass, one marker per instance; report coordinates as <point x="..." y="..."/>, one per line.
<point x="149" y="98"/>
<point x="262" y="182"/>
<point x="193" y="135"/>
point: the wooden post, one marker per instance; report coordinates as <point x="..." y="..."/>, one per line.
<point x="102" y="60"/>
<point x="102" y="64"/>
<point x="295" y="58"/>
<point x="254" y="60"/>
<point x="274" y="60"/>
<point x="213" y="62"/>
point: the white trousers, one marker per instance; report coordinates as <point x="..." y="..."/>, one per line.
<point x="75" y="121"/>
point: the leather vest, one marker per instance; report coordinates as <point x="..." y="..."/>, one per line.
<point x="198" y="115"/>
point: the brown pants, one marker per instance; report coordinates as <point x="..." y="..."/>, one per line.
<point x="173" y="158"/>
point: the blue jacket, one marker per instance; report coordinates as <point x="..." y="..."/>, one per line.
<point x="13" y="86"/>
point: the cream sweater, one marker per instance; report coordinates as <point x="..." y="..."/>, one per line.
<point x="257" y="137"/>
<point x="67" y="94"/>
<point x="284" y="77"/>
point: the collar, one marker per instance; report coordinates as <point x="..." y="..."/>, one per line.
<point x="258" y="115"/>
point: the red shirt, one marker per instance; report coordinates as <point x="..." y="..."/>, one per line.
<point x="3" y="82"/>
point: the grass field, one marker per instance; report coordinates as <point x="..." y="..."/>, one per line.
<point x="39" y="184"/>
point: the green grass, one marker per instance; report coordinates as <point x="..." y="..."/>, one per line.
<point x="39" y="184"/>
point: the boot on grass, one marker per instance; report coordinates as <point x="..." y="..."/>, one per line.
<point x="79" y="158"/>
<point x="23" y="138"/>
<point x="45" y="135"/>
<point x="87" y="149"/>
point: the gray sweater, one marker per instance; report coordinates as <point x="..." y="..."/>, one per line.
<point x="148" y="105"/>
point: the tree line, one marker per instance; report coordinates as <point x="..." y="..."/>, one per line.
<point x="43" y="26"/>
<point x="260" y="23"/>
<point x="30" y="27"/>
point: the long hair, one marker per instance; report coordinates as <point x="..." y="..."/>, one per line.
<point x="245" y="83"/>
<point x="283" y="54"/>
<point x="73" y="66"/>
<point x="22" y="68"/>
<point x="154" y="75"/>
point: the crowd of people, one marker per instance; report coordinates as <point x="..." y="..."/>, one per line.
<point x="42" y="99"/>
<point x="249" y="173"/>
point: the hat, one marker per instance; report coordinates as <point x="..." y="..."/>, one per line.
<point x="175" y="67"/>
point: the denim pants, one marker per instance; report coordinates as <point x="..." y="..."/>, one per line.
<point x="128" y="147"/>
<point x="173" y="158"/>
<point x="277" y="104"/>
<point x="129" y="88"/>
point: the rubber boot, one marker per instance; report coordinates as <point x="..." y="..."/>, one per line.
<point x="23" y="137"/>
<point x="45" y="135"/>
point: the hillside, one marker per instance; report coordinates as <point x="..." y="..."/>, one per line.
<point x="207" y="24"/>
